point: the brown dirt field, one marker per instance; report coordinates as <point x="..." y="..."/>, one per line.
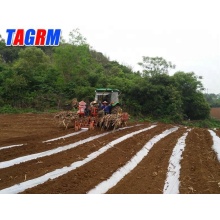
<point x="200" y="164"/>
<point x="215" y="113"/>
<point x="149" y="176"/>
<point x="200" y="169"/>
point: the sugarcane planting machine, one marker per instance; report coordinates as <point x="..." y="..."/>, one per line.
<point x="104" y="112"/>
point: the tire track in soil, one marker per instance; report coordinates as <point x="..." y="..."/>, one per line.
<point x="200" y="168"/>
<point x="38" y="167"/>
<point x="86" y="177"/>
<point x="150" y="174"/>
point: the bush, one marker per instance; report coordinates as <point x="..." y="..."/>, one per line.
<point x="8" y="109"/>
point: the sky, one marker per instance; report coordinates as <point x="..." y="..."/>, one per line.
<point x="185" y="32"/>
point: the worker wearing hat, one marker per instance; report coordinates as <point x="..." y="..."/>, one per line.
<point x="106" y="107"/>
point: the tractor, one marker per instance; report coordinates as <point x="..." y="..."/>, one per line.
<point x="110" y="96"/>
<point x="107" y="94"/>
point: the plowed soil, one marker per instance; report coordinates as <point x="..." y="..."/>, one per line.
<point x="215" y="113"/>
<point x="199" y="172"/>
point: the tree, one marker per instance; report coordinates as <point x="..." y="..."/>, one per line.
<point x="41" y="78"/>
<point x="99" y="57"/>
<point x="76" y="38"/>
<point x="155" y="65"/>
<point x="213" y="99"/>
<point x="197" y="108"/>
<point x="8" y="54"/>
<point x="190" y="87"/>
<point x="33" y="65"/>
<point x="14" y="89"/>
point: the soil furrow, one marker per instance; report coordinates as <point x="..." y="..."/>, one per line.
<point x="38" y="167"/>
<point x="150" y="174"/>
<point x="200" y="169"/>
<point x="37" y="147"/>
<point x="92" y="163"/>
<point x="89" y="175"/>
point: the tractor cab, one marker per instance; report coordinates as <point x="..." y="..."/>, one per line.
<point x="108" y="95"/>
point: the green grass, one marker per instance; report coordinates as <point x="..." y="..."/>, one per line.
<point x="207" y="123"/>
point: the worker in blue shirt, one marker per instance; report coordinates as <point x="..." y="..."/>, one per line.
<point x="106" y="107"/>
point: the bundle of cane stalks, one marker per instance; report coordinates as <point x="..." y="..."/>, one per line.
<point x="65" y="118"/>
<point x="113" y="121"/>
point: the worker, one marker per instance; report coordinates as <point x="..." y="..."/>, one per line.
<point x="88" y="109"/>
<point x="94" y="108"/>
<point x="106" y="107"/>
<point x="81" y="107"/>
<point x="104" y="104"/>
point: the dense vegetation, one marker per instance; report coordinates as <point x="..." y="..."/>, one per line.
<point x="45" y="78"/>
<point x="213" y="99"/>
